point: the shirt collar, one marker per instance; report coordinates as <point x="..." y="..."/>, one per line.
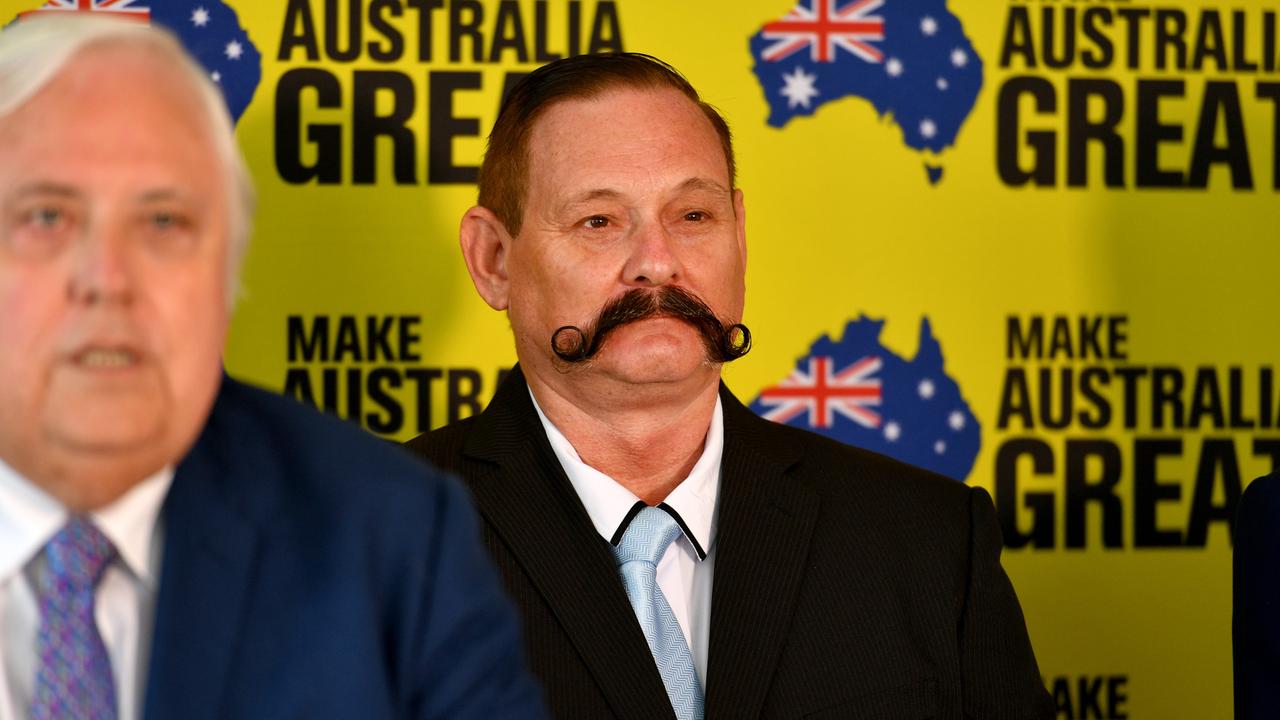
<point x="130" y="523"/>
<point x="611" y="506"/>
<point x="29" y="517"/>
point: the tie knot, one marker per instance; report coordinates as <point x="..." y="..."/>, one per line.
<point x="78" y="553"/>
<point x="651" y="531"/>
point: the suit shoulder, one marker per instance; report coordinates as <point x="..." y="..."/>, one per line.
<point x="838" y="468"/>
<point x="312" y="452"/>
<point x="286" y="419"/>
<point x="443" y="446"/>
<point x="1263" y="491"/>
<point x="1259" y="508"/>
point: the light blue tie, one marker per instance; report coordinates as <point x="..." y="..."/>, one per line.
<point x="642" y="546"/>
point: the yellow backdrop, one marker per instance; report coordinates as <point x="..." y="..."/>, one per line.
<point x="1099" y="215"/>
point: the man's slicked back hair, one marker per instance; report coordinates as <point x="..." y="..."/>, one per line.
<point x="504" y="174"/>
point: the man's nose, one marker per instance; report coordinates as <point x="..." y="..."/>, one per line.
<point x="654" y="261"/>
<point x="102" y="268"/>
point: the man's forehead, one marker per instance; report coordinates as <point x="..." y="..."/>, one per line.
<point x="583" y="142"/>
<point x="579" y="114"/>
<point x="105" y="82"/>
<point x="692" y="185"/>
<point x="89" y="134"/>
<point x="113" y="72"/>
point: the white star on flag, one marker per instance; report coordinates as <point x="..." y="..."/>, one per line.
<point x="892" y="431"/>
<point x="927" y="128"/>
<point x="234" y="50"/>
<point x="943" y="84"/>
<point x="959" y="58"/>
<point x="799" y="89"/>
<point x="928" y="25"/>
<point x="940" y="447"/>
<point x="216" y="76"/>
<point x="926" y="388"/>
<point x="199" y="17"/>
<point x="893" y="67"/>
<point x="956" y="420"/>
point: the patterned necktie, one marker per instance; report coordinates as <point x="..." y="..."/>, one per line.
<point x="643" y="545"/>
<point x="73" y="680"/>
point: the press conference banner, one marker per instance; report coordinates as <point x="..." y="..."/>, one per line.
<point x="1028" y="244"/>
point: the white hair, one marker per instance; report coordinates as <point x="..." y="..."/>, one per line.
<point x="34" y="50"/>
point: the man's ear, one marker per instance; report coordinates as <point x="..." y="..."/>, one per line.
<point x="485" y="243"/>
<point x="740" y="217"/>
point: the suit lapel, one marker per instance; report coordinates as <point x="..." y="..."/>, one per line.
<point x="209" y="550"/>
<point x="764" y="527"/>
<point x="530" y="504"/>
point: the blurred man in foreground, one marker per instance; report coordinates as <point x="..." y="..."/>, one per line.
<point x="174" y="544"/>
<point x="674" y="555"/>
<point x="1256" y="600"/>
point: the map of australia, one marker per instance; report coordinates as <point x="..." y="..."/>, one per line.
<point x="910" y="59"/>
<point x="209" y="29"/>
<point x="855" y="390"/>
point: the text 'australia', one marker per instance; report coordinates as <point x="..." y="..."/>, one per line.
<point x="1128" y="95"/>
<point x="392" y="74"/>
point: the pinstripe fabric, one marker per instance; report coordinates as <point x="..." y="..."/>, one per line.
<point x="73" y="679"/>
<point x="642" y="546"/>
<point x="846" y="584"/>
<point x="561" y="566"/>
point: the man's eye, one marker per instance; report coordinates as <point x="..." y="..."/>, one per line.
<point x="39" y="231"/>
<point x="695" y="216"/>
<point x="169" y="233"/>
<point x="596" y="222"/>
<point x="166" y="221"/>
<point x="46" y="218"/>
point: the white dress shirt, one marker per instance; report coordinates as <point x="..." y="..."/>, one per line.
<point x="684" y="575"/>
<point x="124" y="602"/>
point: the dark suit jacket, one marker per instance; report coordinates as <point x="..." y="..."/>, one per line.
<point x="1256" y="605"/>
<point x="846" y="585"/>
<point x="311" y="570"/>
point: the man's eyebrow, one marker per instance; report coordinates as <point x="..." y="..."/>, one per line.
<point x="46" y="188"/>
<point x="703" y="184"/>
<point x="163" y="195"/>
<point x="693" y="184"/>
<point x="585" y="197"/>
<point x="597" y="194"/>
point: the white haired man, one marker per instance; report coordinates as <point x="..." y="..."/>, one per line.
<point x="174" y="543"/>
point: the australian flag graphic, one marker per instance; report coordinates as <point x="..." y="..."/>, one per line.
<point x="909" y="58"/>
<point x="210" y="30"/>
<point x="858" y="392"/>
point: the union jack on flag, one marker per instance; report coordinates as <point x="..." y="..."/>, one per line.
<point x="823" y="27"/>
<point x="209" y="29"/>
<point x="128" y="9"/>
<point x="856" y="391"/>
<point x="823" y="392"/>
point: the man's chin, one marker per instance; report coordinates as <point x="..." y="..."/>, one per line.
<point x="101" y="433"/>
<point x="106" y="414"/>
<point x="88" y="470"/>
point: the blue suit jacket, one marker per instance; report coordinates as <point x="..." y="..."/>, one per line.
<point x="312" y="570"/>
<point x="1256" y="604"/>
